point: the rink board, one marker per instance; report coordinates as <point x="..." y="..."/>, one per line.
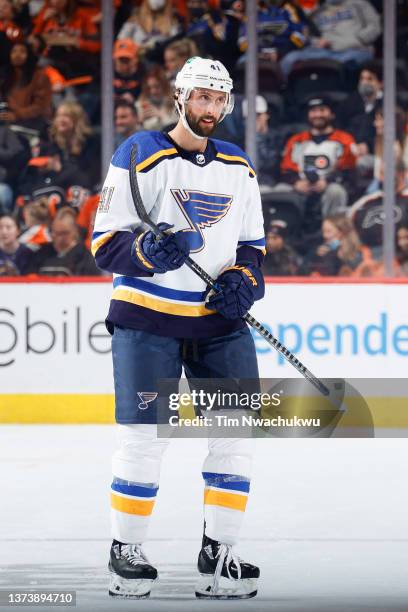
<point x="55" y="361"/>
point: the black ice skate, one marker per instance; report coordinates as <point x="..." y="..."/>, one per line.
<point x="223" y="575"/>
<point x="131" y="574"/>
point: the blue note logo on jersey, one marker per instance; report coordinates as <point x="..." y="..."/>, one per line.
<point x="201" y="210"/>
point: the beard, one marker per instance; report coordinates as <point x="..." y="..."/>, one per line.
<point x="200" y="128"/>
<point x="321" y="123"/>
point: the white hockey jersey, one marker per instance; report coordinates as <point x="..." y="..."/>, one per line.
<point x="212" y="196"/>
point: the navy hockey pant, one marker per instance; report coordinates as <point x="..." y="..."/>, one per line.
<point x="141" y="359"/>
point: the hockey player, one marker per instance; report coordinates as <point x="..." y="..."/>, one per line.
<point x="204" y="194"/>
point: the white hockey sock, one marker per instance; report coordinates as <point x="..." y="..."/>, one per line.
<point x="226" y="473"/>
<point x="136" y="472"/>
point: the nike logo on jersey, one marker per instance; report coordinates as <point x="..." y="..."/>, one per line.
<point x="201" y="210"/>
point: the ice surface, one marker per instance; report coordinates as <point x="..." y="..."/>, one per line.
<point x="326" y="521"/>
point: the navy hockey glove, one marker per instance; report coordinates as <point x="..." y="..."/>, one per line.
<point x="159" y="255"/>
<point x="240" y="286"/>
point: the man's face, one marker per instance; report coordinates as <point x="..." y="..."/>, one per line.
<point x="6" y="10"/>
<point x="64" y="234"/>
<point x="274" y="242"/>
<point x="369" y="83"/>
<point x="154" y="89"/>
<point x="18" y="55"/>
<point x="125" y="121"/>
<point x="204" y="109"/>
<point x="320" y="117"/>
<point x="262" y="123"/>
<point x="8" y="232"/>
<point x="402" y="238"/>
<point x="126" y="66"/>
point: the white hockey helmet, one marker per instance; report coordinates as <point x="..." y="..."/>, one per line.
<point x="202" y="73"/>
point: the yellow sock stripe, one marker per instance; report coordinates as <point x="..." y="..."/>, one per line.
<point x="139" y="252"/>
<point x="159" y="305"/>
<point x="131" y="506"/>
<point x="233" y="501"/>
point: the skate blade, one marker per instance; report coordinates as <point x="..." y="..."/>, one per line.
<point x="129" y="589"/>
<point x="227" y="588"/>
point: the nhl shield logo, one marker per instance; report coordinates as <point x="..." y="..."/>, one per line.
<point x="146" y="397"/>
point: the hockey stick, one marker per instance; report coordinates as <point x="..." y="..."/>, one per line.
<point x="274" y="342"/>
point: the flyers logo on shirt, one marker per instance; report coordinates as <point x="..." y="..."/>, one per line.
<point x="202" y="210"/>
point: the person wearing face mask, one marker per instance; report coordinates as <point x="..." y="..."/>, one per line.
<point x="151" y="25"/>
<point x="358" y="112"/>
<point x="348" y="29"/>
<point x="340" y="251"/>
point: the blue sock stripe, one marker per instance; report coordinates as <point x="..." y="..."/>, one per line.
<point x="138" y="489"/>
<point x="231" y="482"/>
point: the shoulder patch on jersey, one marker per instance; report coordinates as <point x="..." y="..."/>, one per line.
<point x="229" y="153"/>
<point x="153" y="147"/>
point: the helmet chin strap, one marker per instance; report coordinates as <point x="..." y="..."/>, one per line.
<point x="182" y="111"/>
<point x="188" y="128"/>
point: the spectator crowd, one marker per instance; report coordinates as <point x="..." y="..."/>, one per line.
<point x="319" y="127"/>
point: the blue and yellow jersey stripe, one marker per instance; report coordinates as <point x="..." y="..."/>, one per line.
<point x="99" y="239"/>
<point x="235" y="159"/>
<point x="156" y="158"/>
<point x="256" y="244"/>
<point x="152" y="148"/>
<point x="160" y="299"/>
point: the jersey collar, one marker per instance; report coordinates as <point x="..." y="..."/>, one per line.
<point x="195" y="157"/>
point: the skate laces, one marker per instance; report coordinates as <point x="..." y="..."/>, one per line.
<point x="133" y="553"/>
<point x="225" y="555"/>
